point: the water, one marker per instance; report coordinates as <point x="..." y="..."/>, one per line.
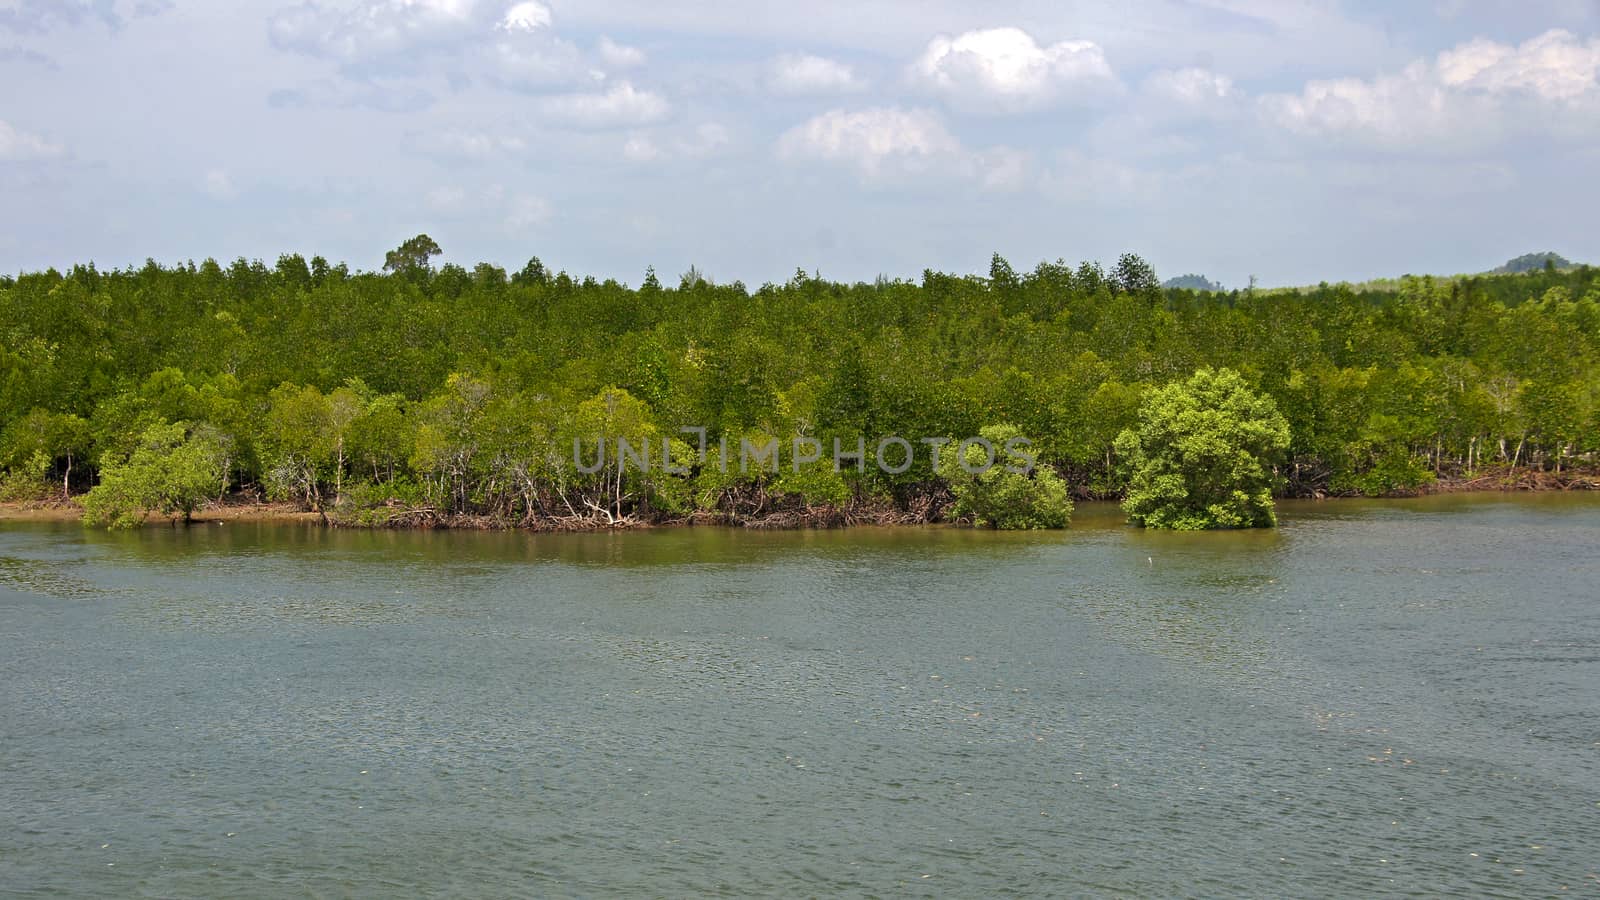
<point x="1378" y="697"/>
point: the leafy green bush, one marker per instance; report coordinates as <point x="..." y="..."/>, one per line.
<point x="173" y="469"/>
<point x="27" y="480"/>
<point x="1200" y="458"/>
<point x="370" y="505"/>
<point x="816" y="484"/>
<point x="1395" y="471"/>
<point x="670" y="492"/>
<point x="1009" y="495"/>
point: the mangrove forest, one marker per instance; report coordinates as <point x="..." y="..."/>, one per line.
<point x="425" y="394"/>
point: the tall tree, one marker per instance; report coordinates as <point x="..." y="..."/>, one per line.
<point x="412" y="258"/>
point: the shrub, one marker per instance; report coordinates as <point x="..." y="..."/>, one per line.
<point x="1201" y="456"/>
<point x="1009" y="495"/>
<point x="1396" y="471"/>
<point x="374" y="505"/>
<point x="27" y="481"/>
<point x="172" y="470"/>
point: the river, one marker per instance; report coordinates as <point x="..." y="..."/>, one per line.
<point x="1396" y="696"/>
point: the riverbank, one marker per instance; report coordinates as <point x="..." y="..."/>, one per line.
<point x="246" y="509"/>
<point x="1515" y="481"/>
<point x="226" y="511"/>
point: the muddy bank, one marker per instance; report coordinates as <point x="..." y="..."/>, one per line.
<point x="869" y="513"/>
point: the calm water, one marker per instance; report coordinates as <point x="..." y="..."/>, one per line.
<point x="1396" y="697"/>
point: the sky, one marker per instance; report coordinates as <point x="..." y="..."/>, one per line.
<point x="1292" y="140"/>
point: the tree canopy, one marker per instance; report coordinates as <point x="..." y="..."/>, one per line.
<point x="450" y="393"/>
<point x="996" y="483"/>
<point x="414" y="257"/>
<point x="1202" y="455"/>
<point x="174" y="469"/>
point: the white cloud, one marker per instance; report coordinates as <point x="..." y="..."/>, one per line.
<point x="537" y="62"/>
<point x="1081" y="177"/>
<point x="378" y="94"/>
<point x="708" y="138"/>
<point x="525" y="17"/>
<point x="526" y="213"/>
<point x="446" y="201"/>
<point x="620" y="106"/>
<point x="1005" y="70"/>
<point x="1193" y="87"/>
<point x="1468" y="96"/>
<point x="219" y="185"/>
<point x="1003" y="168"/>
<point x="512" y="47"/>
<point x="468" y="146"/>
<point x="1170" y="115"/>
<point x="872" y="140"/>
<point x="620" y="56"/>
<point x="1390" y="110"/>
<point x="21" y="146"/>
<point x="516" y="212"/>
<point x="1553" y="66"/>
<point x="640" y="149"/>
<point x="802" y="73"/>
<point x="888" y="143"/>
<point x="705" y="140"/>
<point x="374" y="30"/>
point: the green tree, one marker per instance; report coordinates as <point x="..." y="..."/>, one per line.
<point x="27" y="479"/>
<point x="59" y="438"/>
<point x="412" y="258"/>
<point x="173" y="470"/>
<point x="298" y="438"/>
<point x="448" y="437"/>
<point x="1201" y="455"/>
<point x="1135" y="276"/>
<point x="609" y="428"/>
<point x="999" y="486"/>
<point x="380" y="439"/>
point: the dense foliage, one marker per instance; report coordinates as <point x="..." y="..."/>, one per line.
<point x="447" y="392"/>
<point x="174" y="469"/>
<point x="1201" y="454"/>
<point x="997" y="485"/>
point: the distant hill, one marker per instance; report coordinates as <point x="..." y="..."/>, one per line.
<point x="1193" y="282"/>
<point x="1533" y="262"/>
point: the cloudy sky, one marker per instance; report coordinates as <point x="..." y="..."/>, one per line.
<point x="1295" y="140"/>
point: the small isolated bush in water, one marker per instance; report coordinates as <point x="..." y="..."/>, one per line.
<point x="1001" y="496"/>
<point x="1202" y="453"/>
<point x="172" y="470"/>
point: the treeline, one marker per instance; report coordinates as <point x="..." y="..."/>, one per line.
<point x="437" y="393"/>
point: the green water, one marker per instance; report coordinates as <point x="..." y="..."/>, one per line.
<point x="1377" y="697"/>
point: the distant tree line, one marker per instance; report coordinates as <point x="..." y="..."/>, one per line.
<point x="439" y="394"/>
<point x="1192" y="282"/>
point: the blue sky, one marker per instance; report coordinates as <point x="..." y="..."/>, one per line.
<point x="1295" y="140"/>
